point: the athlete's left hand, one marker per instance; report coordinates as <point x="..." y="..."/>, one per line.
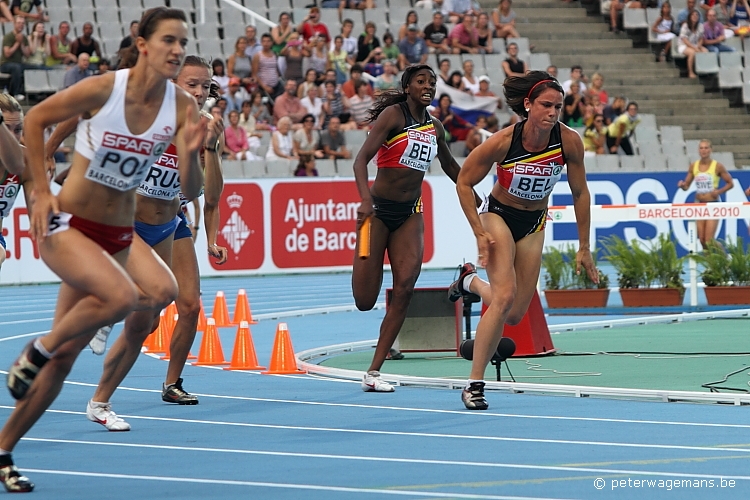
<point x="215" y="129"/>
<point x="218" y="252"/>
<point x="585" y="260"/>
<point x="195" y="131"/>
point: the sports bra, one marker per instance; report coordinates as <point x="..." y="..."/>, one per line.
<point x="118" y="158"/>
<point x="414" y="146"/>
<point x="9" y="188"/>
<point x="531" y="176"/>
<point x="707" y="181"/>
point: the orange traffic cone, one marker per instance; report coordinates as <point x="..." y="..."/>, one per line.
<point x="220" y="313"/>
<point x="201" y="319"/>
<point x="243" y="356"/>
<point x="283" y="361"/>
<point x="242" y="310"/>
<point x="160" y="340"/>
<point x="211" y="353"/>
<point x="169" y="328"/>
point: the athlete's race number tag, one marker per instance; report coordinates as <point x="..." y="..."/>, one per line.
<point x="420" y="150"/>
<point x="533" y="181"/>
<point x="704" y="183"/>
<point x="122" y="162"/>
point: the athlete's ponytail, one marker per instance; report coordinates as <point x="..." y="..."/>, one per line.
<point x="530" y="85"/>
<point x="146" y="28"/>
<point x="395" y="96"/>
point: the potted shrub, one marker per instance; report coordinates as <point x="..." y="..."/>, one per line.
<point x="647" y="276"/>
<point x="726" y="272"/>
<point x="563" y="288"/>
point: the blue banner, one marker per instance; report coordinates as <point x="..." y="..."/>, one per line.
<point x="646" y="187"/>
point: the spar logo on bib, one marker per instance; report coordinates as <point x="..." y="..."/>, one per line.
<point x="241" y="227"/>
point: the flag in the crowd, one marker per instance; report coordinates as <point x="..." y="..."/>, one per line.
<point x="465" y="105"/>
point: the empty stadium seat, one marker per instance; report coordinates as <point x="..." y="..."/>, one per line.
<point x="326" y="167"/>
<point x="706" y="63"/>
<point x="631" y="163"/>
<point x="677" y="162"/>
<point x="539" y="62"/>
<point x="255" y="169"/>
<point x="278" y="168"/>
<point x="730" y="78"/>
<point x="655" y="162"/>
<point x="607" y="163"/>
<point x="730" y="60"/>
<point x="672" y="133"/>
<point x="634" y="19"/>
<point x="232" y="169"/>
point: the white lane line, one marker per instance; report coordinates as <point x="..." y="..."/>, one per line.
<point x="287" y="486"/>
<point x="394" y="460"/>
<point x="404" y="434"/>
<point x="24" y="335"/>
<point x="433" y="410"/>
<point x="23" y="321"/>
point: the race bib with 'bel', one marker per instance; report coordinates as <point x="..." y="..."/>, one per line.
<point x="420" y="150"/>
<point x="532" y="181"/>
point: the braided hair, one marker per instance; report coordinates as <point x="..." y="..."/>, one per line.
<point x="395" y="96"/>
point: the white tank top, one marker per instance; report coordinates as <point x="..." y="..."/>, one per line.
<point x="9" y="188"/>
<point x="118" y="158"/>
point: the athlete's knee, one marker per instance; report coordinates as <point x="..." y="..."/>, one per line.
<point x="188" y="307"/>
<point x="365" y="303"/>
<point x="121" y="301"/>
<point x="502" y="301"/>
<point x="514" y="317"/>
<point x="162" y="294"/>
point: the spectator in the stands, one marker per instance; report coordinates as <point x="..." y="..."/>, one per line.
<point x="470" y="81"/>
<point x="220" y="76"/>
<point x="484" y="90"/>
<point x="311" y="26"/>
<point x="663" y="28"/>
<point x="574" y="106"/>
<point x="311" y="80"/>
<point x="248" y="123"/>
<point x="504" y="20"/>
<point x="38" y="44"/>
<point x="87" y="44"/>
<point x="266" y="68"/>
<point x="484" y="33"/>
<point x="222" y="103"/>
<point x="281" y="33"/>
<point x="354" y="4"/>
<point x="260" y="111"/>
<point x="336" y="104"/>
<point x="459" y="8"/>
<point x="333" y="141"/>
<point x="306" y="166"/>
<point x="390" y="50"/>
<point x="456" y="128"/>
<point x="413" y="49"/>
<point x="615" y="9"/>
<point x="235" y="137"/>
<point x="329" y="76"/>
<point x="294" y="53"/>
<point x="131" y="36"/>
<point x="288" y="104"/>
<point x="78" y="72"/>
<point x="713" y="34"/>
<point x="15" y="48"/>
<point x="444" y="69"/>
<point x="313" y="104"/>
<point x="253" y="46"/>
<point x="339" y="60"/>
<point x="307" y="138"/>
<point x="350" y="44"/>
<point x="282" y="142"/>
<point x="238" y="64"/>
<point x="360" y="103"/>
<point x="612" y="111"/>
<point x="593" y="107"/>
<point x="576" y="75"/>
<point x="388" y="80"/>
<point x="373" y="64"/>
<point x="367" y="42"/>
<point x="723" y="15"/>
<point x="512" y="65"/>
<point x="59" y="47"/>
<point x="476" y="136"/>
<point x="620" y="130"/>
<point x="595" y="137"/>
<point x="456" y="80"/>
<point x="318" y="58"/>
<point x="411" y="18"/>
<point x="552" y="70"/>
<point x="740" y="17"/>
<point x="597" y="87"/>
<point x="24" y="9"/>
<point x="436" y="35"/>
<point x="349" y="87"/>
<point x="235" y="95"/>
<point x="682" y="16"/>
<point x="104" y="66"/>
<point x="464" y="36"/>
<point x="691" y="41"/>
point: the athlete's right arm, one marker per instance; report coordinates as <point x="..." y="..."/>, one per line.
<point x="388" y="120"/>
<point x="11" y="154"/>
<point x="684" y="185"/>
<point x="84" y="97"/>
<point x="475" y="168"/>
